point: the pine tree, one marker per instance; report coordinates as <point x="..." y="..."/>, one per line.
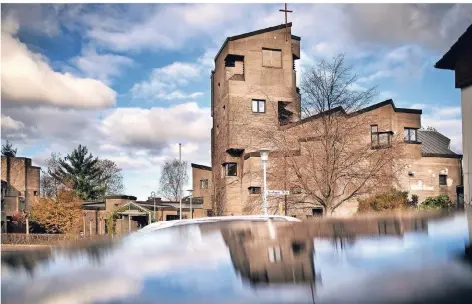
<point x="8" y="150"/>
<point x="81" y="172"/>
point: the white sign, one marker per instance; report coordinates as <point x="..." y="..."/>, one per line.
<point x="278" y="192"/>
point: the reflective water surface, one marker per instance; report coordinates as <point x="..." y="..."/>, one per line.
<point x="412" y="259"/>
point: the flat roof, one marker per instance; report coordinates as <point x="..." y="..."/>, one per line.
<point x="202" y="167"/>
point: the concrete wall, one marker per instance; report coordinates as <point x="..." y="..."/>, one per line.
<point x="466" y="102"/>
<point x="425" y="182"/>
<point x="23" y="180"/>
<point x="198" y="175"/>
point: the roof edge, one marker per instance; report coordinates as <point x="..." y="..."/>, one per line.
<point x="202" y="167"/>
<point x="257" y="32"/>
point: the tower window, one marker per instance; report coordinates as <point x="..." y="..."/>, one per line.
<point x="231" y="169"/>
<point x="204" y="184"/>
<point x="271" y="58"/>
<point x="442" y="179"/>
<point x="258" y="106"/>
<point x="410" y="134"/>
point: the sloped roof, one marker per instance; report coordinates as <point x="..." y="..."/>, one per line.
<point x="261" y="31"/>
<point x="463" y="44"/>
<point x="434" y="143"/>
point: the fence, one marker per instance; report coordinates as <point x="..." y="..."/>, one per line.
<point x="46" y="239"/>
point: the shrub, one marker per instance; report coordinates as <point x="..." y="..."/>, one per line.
<point x="414" y="201"/>
<point x="386" y="201"/>
<point x="436" y="203"/>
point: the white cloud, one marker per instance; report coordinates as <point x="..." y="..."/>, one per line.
<point x="11" y="124"/>
<point x="154" y="128"/>
<point x="163" y="82"/>
<point x="27" y="78"/>
<point x="101" y="66"/>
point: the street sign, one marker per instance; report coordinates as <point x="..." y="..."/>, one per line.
<point x="278" y="192"/>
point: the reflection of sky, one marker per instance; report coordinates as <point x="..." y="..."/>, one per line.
<point x="184" y="265"/>
<point x="385" y="257"/>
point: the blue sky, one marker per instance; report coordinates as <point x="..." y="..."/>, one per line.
<point x="132" y="81"/>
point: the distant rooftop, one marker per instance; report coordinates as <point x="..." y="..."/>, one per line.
<point x="434" y="143"/>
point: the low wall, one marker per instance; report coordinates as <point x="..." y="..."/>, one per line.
<point x="46" y="239"/>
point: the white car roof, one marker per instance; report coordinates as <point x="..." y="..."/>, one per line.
<point x="167" y="224"/>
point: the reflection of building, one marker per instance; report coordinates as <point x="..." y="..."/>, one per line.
<point x="288" y="255"/>
<point x="262" y="260"/>
<point x="253" y="88"/>
<point x="130" y="215"/>
<point x="459" y="59"/>
<point x="20" y="184"/>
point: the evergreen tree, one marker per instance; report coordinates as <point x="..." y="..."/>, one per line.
<point x="8" y="150"/>
<point x="80" y="171"/>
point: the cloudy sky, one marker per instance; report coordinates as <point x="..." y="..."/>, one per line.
<point x="132" y="81"/>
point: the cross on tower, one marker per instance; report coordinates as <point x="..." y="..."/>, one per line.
<point x="286" y="27"/>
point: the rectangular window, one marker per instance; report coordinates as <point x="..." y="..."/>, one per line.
<point x="271" y="58"/>
<point x="275" y="255"/>
<point x="374" y="135"/>
<point x="410" y="134"/>
<point x="231" y="169"/>
<point x="203" y="184"/>
<point x="442" y="179"/>
<point x="258" y="106"/>
<point x="317" y="211"/>
<point x="379" y="139"/>
<point x="35" y="193"/>
<point x="254" y="190"/>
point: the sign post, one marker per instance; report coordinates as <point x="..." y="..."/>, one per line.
<point x="278" y="192"/>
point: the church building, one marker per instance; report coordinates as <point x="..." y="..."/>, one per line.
<point x="253" y="88"/>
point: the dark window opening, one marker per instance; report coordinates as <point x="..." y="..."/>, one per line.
<point x="285" y="115"/>
<point x="35" y="193"/>
<point x="411" y="134"/>
<point x="298" y="247"/>
<point x="258" y="106"/>
<point x="231" y="169"/>
<point x="317" y="211"/>
<point x="234" y="67"/>
<point x="442" y="179"/>
<point x="254" y="190"/>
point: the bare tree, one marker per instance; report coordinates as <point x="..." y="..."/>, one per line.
<point x="329" y="156"/>
<point x="112" y="176"/>
<point x="173" y="177"/>
<point x="48" y="184"/>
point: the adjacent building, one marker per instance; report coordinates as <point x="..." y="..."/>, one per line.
<point x="459" y="60"/>
<point x="20" y="185"/>
<point x="254" y="91"/>
<point x="128" y="214"/>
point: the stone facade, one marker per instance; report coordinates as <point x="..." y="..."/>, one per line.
<point x="260" y="66"/>
<point x="23" y="183"/>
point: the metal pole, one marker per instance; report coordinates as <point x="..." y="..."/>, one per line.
<point x="191" y="210"/>
<point x="180" y="179"/>
<point x="129" y="223"/>
<point x="153" y="194"/>
<point x="265" y="187"/>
